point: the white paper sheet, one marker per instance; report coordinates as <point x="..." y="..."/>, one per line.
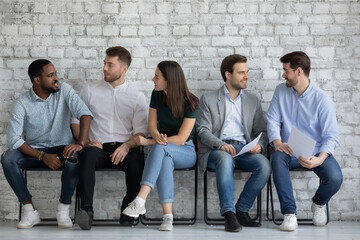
<point x="249" y="146"/>
<point x="301" y="144"/>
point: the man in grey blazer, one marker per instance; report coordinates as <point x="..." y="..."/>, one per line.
<point x="229" y="118"/>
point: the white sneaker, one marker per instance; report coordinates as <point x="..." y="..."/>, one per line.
<point x="290" y="223"/>
<point x="134" y="209"/>
<point x="319" y="217"/>
<point x="167" y="223"/>
<point x="30" y="217"/>
<point x="62" y="216"/>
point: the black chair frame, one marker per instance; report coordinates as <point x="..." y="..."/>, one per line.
<point x="220" y="221"/>
<point x="178" y="221"/>
<point x="24" y="172"/>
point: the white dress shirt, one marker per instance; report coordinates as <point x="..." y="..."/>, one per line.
<point x="119" y="112"/>
<point x="233" y="127"/>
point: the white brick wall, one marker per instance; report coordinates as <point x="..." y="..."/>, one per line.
<point x="197" y="34"/>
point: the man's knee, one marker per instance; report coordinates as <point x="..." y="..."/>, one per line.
<point x="278" y="159"/>
<point x="222" y="161"/>
<point x="8" y="158"/>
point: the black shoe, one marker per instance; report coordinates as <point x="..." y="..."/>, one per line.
<point x="231" y="223"/>
<point x="126" y="220"/>
<point x="84" y="219"/>
<point x="245" y="220"/>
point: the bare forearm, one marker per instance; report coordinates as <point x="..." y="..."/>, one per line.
<point x="26" y="149"/>
<point x="85" y="121"/>
<point x="131" y="143"/>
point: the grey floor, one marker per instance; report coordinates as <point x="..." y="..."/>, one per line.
<point x="334" y="230"/>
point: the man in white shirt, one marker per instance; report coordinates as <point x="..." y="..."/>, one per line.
<point x="120" y="116"/>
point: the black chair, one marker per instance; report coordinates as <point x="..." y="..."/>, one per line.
<point x="183" y="220"/>
<point x="100" y="221"/>
<point x="220" y="221"/>
<point x="269" y="197"/>
<point x="25" y="173"/>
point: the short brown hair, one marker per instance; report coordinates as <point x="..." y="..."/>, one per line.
<point x="228" y="63"/>
<point x="122" y="53"/>
<point x="298" y="60"/>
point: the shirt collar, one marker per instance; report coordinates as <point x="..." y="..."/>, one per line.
<point x="307" y="91"/>
<point x="35" y="97"/>
<point x="121" y="87"/>
<point x="228" y="95"/>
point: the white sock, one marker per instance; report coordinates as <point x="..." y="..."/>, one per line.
<point x="28" y="207"/>
<point x="168" y="215"/>
<point x="63" y="207"/>
<point x="140" y="200"/>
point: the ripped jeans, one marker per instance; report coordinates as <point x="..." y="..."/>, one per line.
<point x="13" y="161"/>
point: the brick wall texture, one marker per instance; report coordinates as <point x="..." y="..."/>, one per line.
<point x="197" y="34"/>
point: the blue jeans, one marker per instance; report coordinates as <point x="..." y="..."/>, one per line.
<point x="329" y="173"/>
<point x="13" y="161"/>
<point x="224" y="164"/>
<point x="160" y="164"/>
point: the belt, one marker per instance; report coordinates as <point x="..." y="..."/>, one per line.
<point x="230" y="141"/>
<point x="111" y="143"/>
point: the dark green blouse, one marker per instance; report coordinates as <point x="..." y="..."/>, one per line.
<point x="167" y="123"/>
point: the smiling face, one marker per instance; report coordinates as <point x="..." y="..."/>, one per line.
<point x="238" y="79"/>
<point x="48" y="79"/>
<point x="289" y="75"/>
<point x="160" y="83"/>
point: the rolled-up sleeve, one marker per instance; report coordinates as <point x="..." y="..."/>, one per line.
<point x="16" y="126"/>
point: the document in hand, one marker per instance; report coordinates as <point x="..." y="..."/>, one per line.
<point x="249" y="146"/>
<point x="301" y="144"/>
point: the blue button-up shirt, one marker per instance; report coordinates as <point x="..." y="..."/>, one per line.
<point x="313" y="113"/>
<point x="233" y="127"/>
<point x="44" y="123"/>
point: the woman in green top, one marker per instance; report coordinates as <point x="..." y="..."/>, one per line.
<point x="172" y="116"/>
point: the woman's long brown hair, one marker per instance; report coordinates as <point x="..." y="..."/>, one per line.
<point x="177" y="92"/>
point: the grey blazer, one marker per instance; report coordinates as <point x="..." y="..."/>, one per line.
<point x="210" y="122"/>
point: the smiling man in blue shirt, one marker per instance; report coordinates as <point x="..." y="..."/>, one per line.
<point x="39" y="135"/>
<point x="298" y="103"/>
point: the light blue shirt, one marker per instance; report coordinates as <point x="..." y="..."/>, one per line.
<point x="313" y="113"/>
<point x="44" y="123"/>
<point x="233" y="127"/>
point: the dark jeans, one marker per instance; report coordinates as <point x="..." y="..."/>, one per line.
<point x="13" y="161"/>
<point x="93" y="158"/>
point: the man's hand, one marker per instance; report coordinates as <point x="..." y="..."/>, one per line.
<point x="282" y="147"/>
<point x="119" y="154"/>
<point x="229" y="149"/>
<point x="256" y="149"/>
<point x="71" y="149"/>
<point x="52" y="161"/>
<point x="96" y="143"/>
<point x="142" y="141"/>
<point x="313" y="161"/>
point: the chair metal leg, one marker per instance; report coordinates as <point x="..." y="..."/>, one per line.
<point x="177" y="221"/>
<point x="278" y="221"/>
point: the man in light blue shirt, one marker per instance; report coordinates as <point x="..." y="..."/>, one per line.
<point x="229" y="118"/>
<point x="39" y="135"/>
<point x="298" y="103"/>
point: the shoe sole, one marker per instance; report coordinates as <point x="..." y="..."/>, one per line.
<point x="288" y="229"/>
<point x="82" y="219"/>
<point x="165" y="229"/>
<point x="64" y="226"/>
<point x="133" y="215"/>
<point x="234" y="230"/>
<point x="28" y="227"/>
